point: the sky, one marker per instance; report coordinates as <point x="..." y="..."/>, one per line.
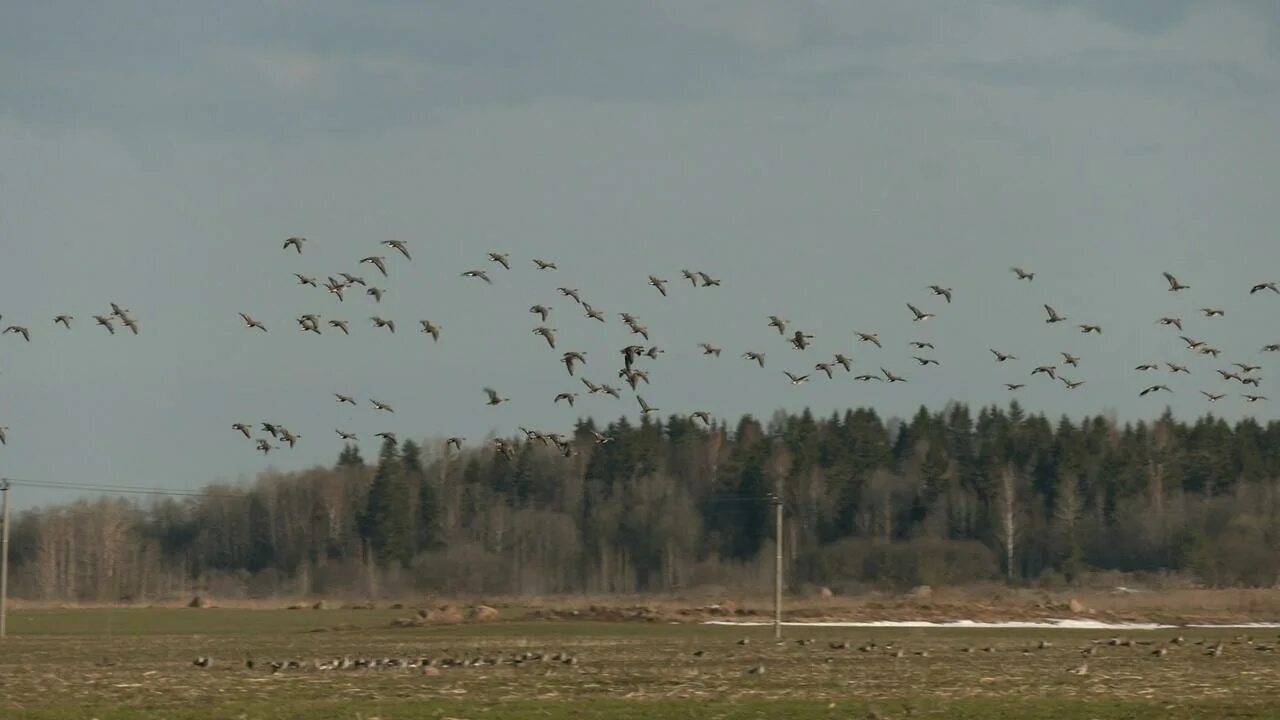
<point x="827" y="161"/>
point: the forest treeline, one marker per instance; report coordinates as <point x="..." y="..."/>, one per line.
<point x="942" y="498"/>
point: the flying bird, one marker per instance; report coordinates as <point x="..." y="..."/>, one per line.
<point x="544" y="264"/>
<point x="707" y="280"/>
<point x="501" y="258"/>
<point x="691" y="276"/>
<point x="386" y="436"/>
<point x="379" y="322"/>
<point x="709" y="349"/>
<point x="376" y="293"/>
<point x="777" y="322"/>
<point x="494" y="398"/>
<point x="1174" y="285"/>
<point x="341" y="325"/>
<point x="1212" y="397"/>
<point x="658" y="283"/>
<point x="106" y="323"/>
<point x="296" y="242"/>
<point x="918" y="314"/>
<point x="944" y="292"/>
<point x="571" y="357"/>
<point x="1254" y="398"/>
<point x="921" y="345"/>
<point x="645" y="408"/>
<point x="345" y="398"/>
<point x="890" y="377"/>
<point x="65" y="320"/>
<point x="548" y="333"/>
<point x="1023" y="274"/>
<point x="1176" y="322"/>
<point x="335" y="288"/>
<point x="265" y="447"/>
<point x="1054" y="317"/>
<point x="26" y="334"/>
<point x="1154" y="388"/>
<point x="248" y="322"/>
<point x="592" y="313"/>
<point x="353" y="279"/>
<point x="845" y="362"/>
<point x="1265" y="286"/>
<point x="541" y="310"/>
<point x="431" y="329"/>
<point x="1072" y="360"/>
<point x="377" y="261"/>
<point x="702" y="415"/>
<point x="1247" y="368"/>
<point x="1002" y="357"/>
<point x="1175" y="368"/>
<point x="243" y="428"/>
<point x="1049" y="370"/>
<point x="456" y="441"/>
<point x="478" y="274"/>
<point x="925" y="361"/>
<point x="381" y="406"/>
<point x="824" y="367"/>
<point x="1071" y="384"/>
<point x="868" y="378"/>
<point x="567" y="397"/>
<point x="873" y="338"/>
<point x="1147" y="366"/>
<point x="346" y="435"/>
<point x="306" y="280"/>
<point x="1015" y="386"/>
<point x="570" y="293"/>
<point x="756" y="356"/>
<point x="398" y="245"/>
<point x="1213" y="312"/>
<point x="795" y="379"/>
<point x="1086" y="329"/>
<point x="800" y="340"/>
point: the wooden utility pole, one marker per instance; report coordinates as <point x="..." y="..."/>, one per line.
<point x="4" y="555"/>
<point x="777" y="567"/>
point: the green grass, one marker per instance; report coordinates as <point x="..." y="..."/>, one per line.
<point x="61" y="664"/>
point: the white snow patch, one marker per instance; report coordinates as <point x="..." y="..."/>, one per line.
<point x="1060" y="624"/>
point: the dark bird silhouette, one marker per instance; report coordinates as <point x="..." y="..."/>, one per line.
<point x="709" y="349"/>
<point x="379" y="322"/>
<point x="345" y="398"/>
<point x="1147" y="366"/>
<point x="824" y="367"/>
<point x="494" y="398"/>
<point x="925" y="361"/>
<point x="800" y="340"/>
<point x="1015" y="386"/>
<point x="376" y="293"/>
<point x="1023" y="274"/>
<point x="1176" y="322"/>
<point x="1174" y="285"/>
<point x="26" y="334"/>
<point x="891" y="378"/>
<point x="398" y="245"/>
<point x="544" y="264"/>
<point x="1154" y="388"/>
<point x="377" y="261"/>
<point x="1086" y="329"/>
<point x="381" y="406"/>
<point x="1212" y="397"/>
<point x="243" y="428"/>
<point x="758" y="357"/>
<point x="567" y="397"/>
<point x="431" y="329"/>
<point x="1049" y="370"/>
<point x="944" y="292"/>
<point x="1069" y="359"/>
<point x="305" y="280"/>
<point x="65" y="320"/>
<point x="1071" y="384"/>
<point x="921" y="345"/>
<point x="341" y="325"/>
<point x="1254" y="398"/>
<point x="1213" y="312"/>
<point x="478" y="274"/>
<point x="353" y="279"/>
<point x="1054" y="317"/>
<point x="346" y="435"/>
<point x="919" y="315"/>
<point x="296" y="242"/>
<point x="541" y="310"/>
<point x="248" y="322"/>
<point x="795" y="379"/>
<point x="1002" y="357"/>
<point x="1176" y="368"/>
<point x="502" y="259"/>
<point x="1265" y="286"/>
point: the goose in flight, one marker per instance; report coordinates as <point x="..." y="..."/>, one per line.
<point x="873" y="338"/>
<point x="1256" y="382"/>
<point x="377" y="261"/>
<point x="1054" y="317"/>
<point x="824" y="367"/>
<point x="376" y="293"/>
<point x="296" y="242"/>
<point x="431" y="329"/>
<point x="800" y="340"/>
<point x="541" y="310"/>
<point x="398" y="245"/>
<point x="265" y="447"/>
<point x="707" y="280"/>
<point x="868" y="378"/>
<point x="494" y="398"/>
<point x="545" y="264"/>
<point x="65" y="320"/>
<point x="601" y="439"/>
<point x="379" y="322"/>
<point x="592" y="313"/>
<point x="346" y="435"/>
<point x="306" y="280"/>
<point x="925" y="361"/>
<point x="502" y="259"/>
<point x="386" y="436"/>
<point x="709" y="349"/>
<point x="1050" y="370"/>
<point x="702" y="415"/>
<point x="1147" y="366"/>
<point x="1176" y="368"/>
<point x="944" y="292"/>
<point x="478" y="274"/>
<point x="592" y="388"/>
<point x="659" y="283"/>
<point x="341" y="325"/>
<point x="630" y="353"/>
<point x="1265" y="286"/>
<point x="345" y="398"/>
<point x="1071" y="384"/>
<point x="638" y="329"/>
<point x="106" y="323"/>
<point x="777" y="322"/>
<point x="309" y="323"/>
<point x="795" y="379"/>
<point x="691" y="276"/>
<point x="628" y="318"/>
<point x="1072" y="360"/>
<point x="567" y="397"/>
<point x="381" y="406"/>
<point x="271" y="428"/>
<point x="1002" y="357"/>
<point x="335" y="288"/>
<point x="1206" y="350"/>
<point x="1213" y="312"/>
<point x="891" y="378"/>
<point x="1154" y="388"/>
<point x="243" y="428"/>
<point x="1192" y="344"/>
<point x="645" y="409"/>
<point x="918" y="314"/>
<point x="1271" y="348"/>
<point x="1174" y="285"/>
<point x="570" y="293"/>
<point x="921" y="345"/>
<point x="19" y="330"/>
<point x="653" y="352"/>
<point x="548" y="333"/>
<point x="758" y="357"/>
<point x="1212" y="397"/>
<point x="845" y="361"/>
<point x="289" y="437"/>
<point x="1228" y="375"/>
<point x="1015" y="386"/>
<point x="1023" y="274"/>
<point x="1247" y="368"/>
<point x="456" y="441"/>
<point x="1176" y="322"/>
<point x="1254" y="398"/>
<point x="350" y="279"/>
<point x="571" y="357"/>
<point x="1086" y="329"/>
<point x="612" y="391"/>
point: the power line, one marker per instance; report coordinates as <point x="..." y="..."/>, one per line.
<point x="122" y="489"/>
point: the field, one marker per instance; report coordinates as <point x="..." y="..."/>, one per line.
<point x="138" y="663"/>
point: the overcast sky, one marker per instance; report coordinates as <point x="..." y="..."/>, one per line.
<point x="826" y="160"/>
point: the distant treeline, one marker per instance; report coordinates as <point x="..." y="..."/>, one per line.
<point x="944" y="498"/>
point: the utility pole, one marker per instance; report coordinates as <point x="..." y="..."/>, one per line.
<point x="4" y="555"/>
<point x="777" y="567"/>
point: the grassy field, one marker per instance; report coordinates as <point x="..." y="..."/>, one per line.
<point x="137" y="663"/>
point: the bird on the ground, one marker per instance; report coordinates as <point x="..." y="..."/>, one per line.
<point x="645" y="408"/>
<point x="1023" y="274"/>
<point x="1176" y="322"/>
<point x="824" y="367"/>
<point x="548" y="333"/>
<point x="398" y="245"/>
<point x="1054" y="317"/>
<point x="26" y="334"/>
<point x="758" y="357"/>
<point x="1015" y="386"/>
<point x="377" y="261"/>
<point x="296" y="242"/>
<point x="345" y="398"/>
<point x="306" y="280"/>
<point x="1071" y="384"/>
<point x="65" y="320"/>
<point x="341" y="325"/>
<point x="925" y="361"/>
<point x="1265" y="286"/>
<point x="243" y="428"/>
<point x="570" y="293"/>
<point x="1174" y="285"/>
<point x="1072" y="360"/>
<point x="1213" y="312"/>
<point x="106" y="323"/>
<point x="1086" y="328"/>
<point x="346" y="435"/>
<point x="1212" y="397"/>
<point x="709" y="349"/>
<point x="381" y="406"/>
<point x="800" y="340"/>
<point x="567" y="397"/>
<point x="919" y="315"/>
<point x="379" y="322"/>
<point x="1154" y="388"/>
<point x="545" y="264"/>
<point x="248" y="322"/>
<point x="494" y="398"/>
<point x="592" y="313"/>
<point x="1050" y="370"/>
<point x="891" y="378"/>
<point x="1176" y="368"/>
<point x="795" y="379"/>
<point x="571" y="357"/>
<point x="502" y="259"/>
<point x="376" y="293"/>
<point x="541" y="310"/>
<point x="658" y="283"/>
<point x="944" y="292"/>
<point x="845" y="361"/>
<point x="777" y="322"/>
<point x="478" y="274"/>
<point x="707" y="280"/>
<point x="431" y="329"/>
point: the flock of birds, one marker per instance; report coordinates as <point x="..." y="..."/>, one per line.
<point x="342" y="284"/>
